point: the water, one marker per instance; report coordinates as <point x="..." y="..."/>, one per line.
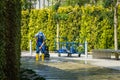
<point x="59" y="68"/>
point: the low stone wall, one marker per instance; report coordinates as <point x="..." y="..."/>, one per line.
<point x="102" y="53"/>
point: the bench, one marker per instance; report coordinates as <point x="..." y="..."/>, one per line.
<point x="105" y="53"/>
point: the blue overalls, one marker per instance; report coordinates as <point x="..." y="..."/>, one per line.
<point x="40" y="38"/>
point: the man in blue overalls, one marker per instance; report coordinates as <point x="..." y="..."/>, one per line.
<point x="40" y="41"/>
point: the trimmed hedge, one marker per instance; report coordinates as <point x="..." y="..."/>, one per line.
<point x="91" y="23"/>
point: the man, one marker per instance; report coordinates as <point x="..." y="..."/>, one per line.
<point x="40" y="41"/>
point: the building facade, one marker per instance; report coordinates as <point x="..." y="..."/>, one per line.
<point x="38" y="4"/>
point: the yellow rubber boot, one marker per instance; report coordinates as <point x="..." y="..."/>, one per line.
<point x="37" y="57"/>
<point x="43" y="57"/>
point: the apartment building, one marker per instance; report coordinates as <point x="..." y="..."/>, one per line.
<point x="38" y="4"/>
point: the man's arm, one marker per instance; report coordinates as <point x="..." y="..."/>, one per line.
<point x="43" y="41"/>
<point x="42" y="44"/>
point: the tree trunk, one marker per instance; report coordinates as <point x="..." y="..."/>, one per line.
<point x="115" y="28"/>
<point x="115" y="25"/>
<point x="2" y="42"/>
<point x="57" y="39"/>
<point x="10" y="60"/>
<point x="43" y="3"/>
<point x="48" y="3"/>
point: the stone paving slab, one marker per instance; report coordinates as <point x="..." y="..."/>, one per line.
<point x="61" y="68"/>
<point x="108" y="63"/>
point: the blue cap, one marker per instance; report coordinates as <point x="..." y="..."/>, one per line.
<point x="40" y="34"/>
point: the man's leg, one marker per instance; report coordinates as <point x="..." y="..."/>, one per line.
<point x="43" y="57"/>
<point x="43" y="53"/>
<point x="37" y="53"/>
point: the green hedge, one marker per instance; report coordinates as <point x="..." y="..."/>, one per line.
<point x="91" y="23"/>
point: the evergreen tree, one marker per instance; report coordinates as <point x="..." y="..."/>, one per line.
<point x="10" y="39"/>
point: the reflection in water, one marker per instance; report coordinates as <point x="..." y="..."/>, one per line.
<point x="63" y="69"/>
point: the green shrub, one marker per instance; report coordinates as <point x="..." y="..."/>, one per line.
<point x="91" y="23"/>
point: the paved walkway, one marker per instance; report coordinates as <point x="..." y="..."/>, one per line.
<point x="72" y="68"/>
<point x="108" y="63"/>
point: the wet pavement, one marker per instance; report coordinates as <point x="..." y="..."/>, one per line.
<point x="69" y="68"/>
